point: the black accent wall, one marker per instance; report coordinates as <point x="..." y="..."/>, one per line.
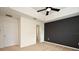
<point x="64" y="31"/>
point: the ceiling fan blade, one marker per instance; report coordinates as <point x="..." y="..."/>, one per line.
<point x="41" y="10"/>
<point x="47" y="12"/>
<point x="55" y="9"/>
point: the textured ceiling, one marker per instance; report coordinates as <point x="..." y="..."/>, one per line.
<point x="5" y="10"/>
<point x="16" y="12"/>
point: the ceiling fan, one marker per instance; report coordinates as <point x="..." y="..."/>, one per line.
<point x="48" y="9"/>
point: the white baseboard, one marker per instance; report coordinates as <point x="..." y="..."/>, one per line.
<point x="63" y="46"/>
<point x="9" y="45"/>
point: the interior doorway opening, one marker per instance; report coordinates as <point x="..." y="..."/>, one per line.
<point x="37" y="34"/>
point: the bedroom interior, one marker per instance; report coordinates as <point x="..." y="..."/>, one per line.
<point x="39" y="28"/>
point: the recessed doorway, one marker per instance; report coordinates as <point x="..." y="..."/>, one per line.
<point x="37" y="34"/>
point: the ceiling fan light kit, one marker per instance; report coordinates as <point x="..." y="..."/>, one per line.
<point x="48" y="9"/>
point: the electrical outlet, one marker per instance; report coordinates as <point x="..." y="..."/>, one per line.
<point x="78" y="43"/>
<point x="48" y="39"/>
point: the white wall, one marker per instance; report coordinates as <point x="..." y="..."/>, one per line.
<point x="8" y="31"/>
<point x="28" y="31"/>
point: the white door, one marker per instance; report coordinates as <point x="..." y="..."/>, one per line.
<point x="9" y="31"/>
<point x="1" y="34"/>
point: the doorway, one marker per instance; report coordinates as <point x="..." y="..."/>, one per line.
<point x="37" y="34"/>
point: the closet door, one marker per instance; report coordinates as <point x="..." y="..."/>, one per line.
<point x="10" y="27"/>
<point x="1" y="34"/>
<point x="8" y="32"/>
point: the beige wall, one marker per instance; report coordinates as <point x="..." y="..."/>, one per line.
<point x="28" y="31"/>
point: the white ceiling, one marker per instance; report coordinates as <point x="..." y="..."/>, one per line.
<point x="64" y="12"/>
<point x="5" y="10"/>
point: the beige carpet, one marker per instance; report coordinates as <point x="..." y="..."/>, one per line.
<point x="38" y="47"/>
